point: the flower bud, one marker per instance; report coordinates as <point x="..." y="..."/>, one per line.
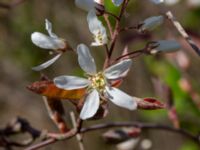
<point x="165" y="46"/>
<point x="151" y="23"/>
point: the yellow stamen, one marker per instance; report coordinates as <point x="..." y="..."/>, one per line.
<point x="98" y="82"/>
<point x="98" y="37"/>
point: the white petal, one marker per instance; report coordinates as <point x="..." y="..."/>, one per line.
<point x="93" y="21"/>
<point x="48" y="26"/>
<point x="116" y="71"/>
<point x="70" y="82"/>
<point x="43" y="41"/>
<point x="121" y="99"/>
<point x="85" y="4"/>
<point x="46" y="64"/>
<point x="86" y="61"/>
<point x="90" y="106"/>
<point x="97" y="28"/>
<point x="117" y="2"/>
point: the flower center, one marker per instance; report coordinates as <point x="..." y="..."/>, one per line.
<point x="98" y="81"/>
<point x="98" y="37"/>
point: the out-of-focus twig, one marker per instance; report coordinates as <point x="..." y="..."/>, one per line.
<point x="172" y="113"/>
<point x="183" y="33"/>
<point x="143" y="126"/>
<point x="166" y="93"/>
<point x="18" y="126"/>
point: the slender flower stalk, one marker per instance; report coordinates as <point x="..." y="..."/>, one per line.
<point x="97" y="83"/>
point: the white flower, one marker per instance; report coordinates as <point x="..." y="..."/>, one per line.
<point x="97" y="83"/>
<point x="97" y="29"/>
<point x="48" y="42"/>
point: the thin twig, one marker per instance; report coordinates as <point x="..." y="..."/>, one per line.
<point x="131" y="54"/>
<point x="183" y="33"/>
<point x="42" y="144"/>
<point x="56" y="112"/>
<point x="106" y="17"/>
<point x="129" y="28"/>
<point x="78" y="136"/>
<point x="116" y="30"/>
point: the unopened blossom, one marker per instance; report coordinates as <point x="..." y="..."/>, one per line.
<point x="97" y="83"/>
<point x="165" y="46"/>
<point x="49" y="42"/>
<point x="151" y="23"/>
<point x="97" y="29"/>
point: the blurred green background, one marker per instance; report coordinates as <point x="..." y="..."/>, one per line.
<point x="18" y="55"/>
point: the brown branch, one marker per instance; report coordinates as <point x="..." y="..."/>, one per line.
<point x="42" y="144"/>
<point x="106" y="17"/>
<point x="131" y="54"/>
<point x="116" y="30"/>
<point x="144" y="126"/>
<point x="183" y="33"/>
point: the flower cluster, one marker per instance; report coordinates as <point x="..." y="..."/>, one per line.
<point x="98" y="84"/>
